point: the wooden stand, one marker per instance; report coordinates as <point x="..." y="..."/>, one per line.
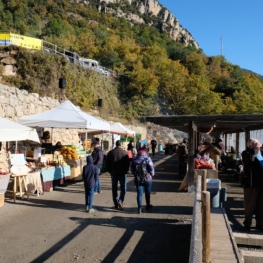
<point x="2" y="200"/>
<point x="19" y="184"/>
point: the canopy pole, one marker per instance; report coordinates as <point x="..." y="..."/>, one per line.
<point x="51" y="135"/>
<point x="86" y="140"/>
<point x="16" y="147"/>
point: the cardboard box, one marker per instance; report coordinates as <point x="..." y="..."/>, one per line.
<point x="2" y="200"/>
<point x="76" y="173"/>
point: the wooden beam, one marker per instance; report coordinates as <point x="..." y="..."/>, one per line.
<point x="251" y="256"/>
<point x="248" y="239"/>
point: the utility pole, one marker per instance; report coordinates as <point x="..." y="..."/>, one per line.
<point x="222" y="53"/>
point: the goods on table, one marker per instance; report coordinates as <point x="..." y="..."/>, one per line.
<point x="69" y="153"/>
<point x="4" y="172"/>
<point x="203" y="164"/>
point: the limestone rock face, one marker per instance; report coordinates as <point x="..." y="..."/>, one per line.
<point x="152" y="8"/>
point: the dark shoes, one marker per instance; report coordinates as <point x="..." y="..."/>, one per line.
<point x="149" y="207"/>
<point x="247" y="228"/>
<point x="139" y="210"/>
<point x="120" y="206"/>
<point x="259" y="228"/>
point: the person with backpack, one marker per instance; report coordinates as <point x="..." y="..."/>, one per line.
<point x="143" y="170"/>
<point x="90" y="176"/>
<point x="97" y="156"/>
<point x="154" y="145"/>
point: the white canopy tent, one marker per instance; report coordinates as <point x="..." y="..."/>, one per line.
<point x="65" y="116"/>
<point x="12" y="131"/>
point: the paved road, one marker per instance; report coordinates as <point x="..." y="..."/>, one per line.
<point x="54" y="227"/>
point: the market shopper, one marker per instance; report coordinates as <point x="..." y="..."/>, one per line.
<point x="154" y="145"/>
<point x="90" y="176"/>
<point x="145" y="185"/>
<point x="117" y="164"/>
<point x="253" y="184"/>
<point x="182" y="155"/>
<point x="97" y="156"/>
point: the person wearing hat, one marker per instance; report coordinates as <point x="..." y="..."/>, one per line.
<point x="118" y="164"/>
<point x="97" y="156"/>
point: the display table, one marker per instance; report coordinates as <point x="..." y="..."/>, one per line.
<point x="76" y="167"/>
<point x="34" y="183"/>
<point x="54" y="176"/>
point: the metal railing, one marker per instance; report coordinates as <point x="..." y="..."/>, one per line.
<point x="73" y="57"/>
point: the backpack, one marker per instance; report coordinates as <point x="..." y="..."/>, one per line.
<point x="141" y="171"/>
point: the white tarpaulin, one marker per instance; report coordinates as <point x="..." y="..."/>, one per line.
<point x="117" y="126"/>
<point x="65" y="116"/>
<point x="12" y="131"/>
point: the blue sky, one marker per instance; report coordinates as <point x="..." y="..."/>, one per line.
<point x="240" y="23"/>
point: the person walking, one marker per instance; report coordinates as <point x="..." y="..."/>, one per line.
<point x="142" y="163"/>
<point x="154" y="145"/>
<point x="90" y="176"/>
<point x="97" y="156"/>
<point x="117" y="164"/>
<point x="182" y="155"/>
<point x="253" y="184"/>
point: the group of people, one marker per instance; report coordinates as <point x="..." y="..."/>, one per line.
<point x="118" y="165"/>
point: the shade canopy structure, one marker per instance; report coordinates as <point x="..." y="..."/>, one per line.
<point x="65" y="116"/>
<point x="12" y="131"/>
<point x="229" y="123"/>
<point x="116" y="128"/>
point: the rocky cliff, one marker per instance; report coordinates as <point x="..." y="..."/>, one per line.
<point x="161" y="17"/>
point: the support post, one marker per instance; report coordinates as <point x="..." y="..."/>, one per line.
<point x="204" y="180"/>
<point x="206" y="227"/>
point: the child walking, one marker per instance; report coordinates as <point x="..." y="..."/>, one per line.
<point x="90" y="176"/>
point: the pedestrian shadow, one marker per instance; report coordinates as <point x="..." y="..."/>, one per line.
<point x="158" y="239"/>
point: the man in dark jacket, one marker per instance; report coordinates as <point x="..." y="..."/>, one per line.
<point x="253" y="184"/>
<point x="97" y="156"/>
<point x="117" y="164"/>
<point x="90" y="176"/>
<point x="154" y="145"/>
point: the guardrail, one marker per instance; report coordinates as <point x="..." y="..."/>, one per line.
<point x="73" y="57"/>
<point x="200" y="233"/>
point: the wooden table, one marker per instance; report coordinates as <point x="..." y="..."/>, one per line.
<point x="34" y="183"/>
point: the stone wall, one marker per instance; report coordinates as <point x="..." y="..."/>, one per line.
<point x="16" y="103"/>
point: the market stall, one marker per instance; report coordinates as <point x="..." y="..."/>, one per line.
<point x="11" y="131"/>
<point x="67" y="116"/>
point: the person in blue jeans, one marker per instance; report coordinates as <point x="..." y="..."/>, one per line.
<point x="90" y="176"/>
<point x="143" y="186"/>
<point x="118" y="164"/>
<point x="97" y="156"/>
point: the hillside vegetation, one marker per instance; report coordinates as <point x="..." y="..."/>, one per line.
<point x="156" y="74"/>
